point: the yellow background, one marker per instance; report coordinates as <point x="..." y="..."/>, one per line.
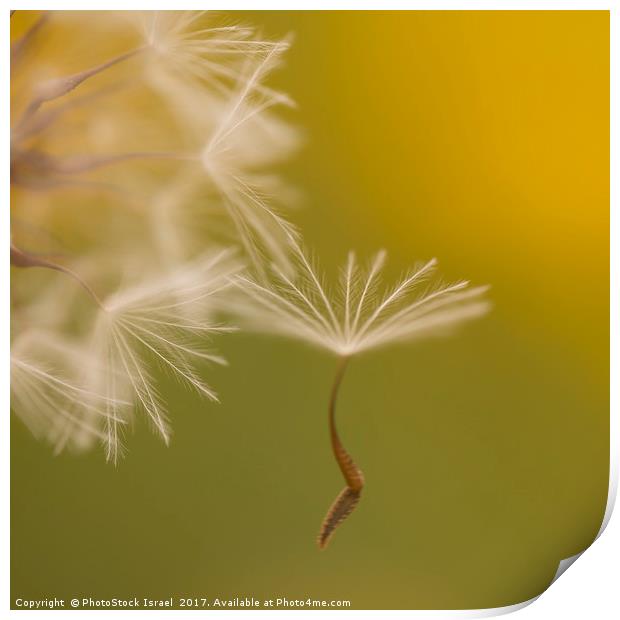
<point x="480" y="138"/>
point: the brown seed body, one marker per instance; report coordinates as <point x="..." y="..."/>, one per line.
<point x="342" y="507"/>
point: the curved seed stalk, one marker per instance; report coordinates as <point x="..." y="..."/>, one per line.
<point x="349" y="497"/>
<point x="20" y="258"/>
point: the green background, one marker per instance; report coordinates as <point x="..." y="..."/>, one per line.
<point x="482" y="139"/>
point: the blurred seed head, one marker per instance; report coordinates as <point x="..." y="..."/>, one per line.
<point x="142" y="154"/>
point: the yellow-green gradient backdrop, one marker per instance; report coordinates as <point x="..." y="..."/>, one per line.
<point x="477" y="137"/>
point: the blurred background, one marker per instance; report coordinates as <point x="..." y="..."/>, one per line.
<point x="480" y="138"/>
